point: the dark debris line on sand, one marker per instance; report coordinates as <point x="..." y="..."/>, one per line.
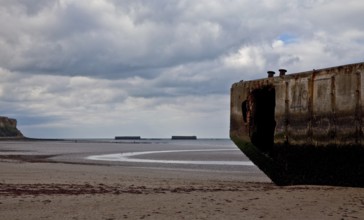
<point x="27" y="158"/>
<point x="79" y="189"/>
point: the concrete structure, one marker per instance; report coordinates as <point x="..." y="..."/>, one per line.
<point x="128" y="138"/>
<point x="184" y="138"/>
<point x="304" y="128"/>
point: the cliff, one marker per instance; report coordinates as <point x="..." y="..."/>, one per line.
<point x="8" y="128"/>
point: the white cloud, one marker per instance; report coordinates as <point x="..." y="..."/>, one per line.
<point x="151" y="68"/>
<point x="246" y="57"/>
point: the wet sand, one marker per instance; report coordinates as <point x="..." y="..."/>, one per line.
<point x="32" y="188"/>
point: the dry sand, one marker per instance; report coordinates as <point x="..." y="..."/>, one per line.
<point x="33" y="190"/>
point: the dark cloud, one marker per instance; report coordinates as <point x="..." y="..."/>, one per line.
<point x="121" y="39"/>
<point x="89" y="65"/>
<point x="116" y="41"/>
<point x="29" y="7"/>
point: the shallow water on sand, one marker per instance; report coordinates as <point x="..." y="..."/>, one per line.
<point x="206" y="154"/>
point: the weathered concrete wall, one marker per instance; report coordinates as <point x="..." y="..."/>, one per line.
<point x="315" y="119"/>
<point x="319" y="107"/>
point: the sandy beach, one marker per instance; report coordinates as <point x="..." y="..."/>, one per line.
<point x="64" y="191"/>
<point x="31" y="188"/>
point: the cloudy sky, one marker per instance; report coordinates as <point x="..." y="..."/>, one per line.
<point x="101" y="68"/>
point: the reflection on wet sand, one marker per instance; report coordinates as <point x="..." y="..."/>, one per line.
<point x="127" y="157"/>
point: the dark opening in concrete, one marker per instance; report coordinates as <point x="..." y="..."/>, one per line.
<point x="262" y="123"/>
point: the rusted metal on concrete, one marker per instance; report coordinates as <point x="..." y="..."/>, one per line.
<point x="282" y="72"/>
<point x="315" y="114"/>
<point x="271" y="73"/>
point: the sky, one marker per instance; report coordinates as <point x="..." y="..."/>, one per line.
<point x="152" y="68"/>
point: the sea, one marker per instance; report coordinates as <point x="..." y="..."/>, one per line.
<point x="201" y="154"/>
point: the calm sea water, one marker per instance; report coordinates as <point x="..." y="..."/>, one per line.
<point x="202" y="153"/>
<point x="221" y="152"/>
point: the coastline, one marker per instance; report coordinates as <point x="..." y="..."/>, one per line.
<point x="41" y="190"/>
